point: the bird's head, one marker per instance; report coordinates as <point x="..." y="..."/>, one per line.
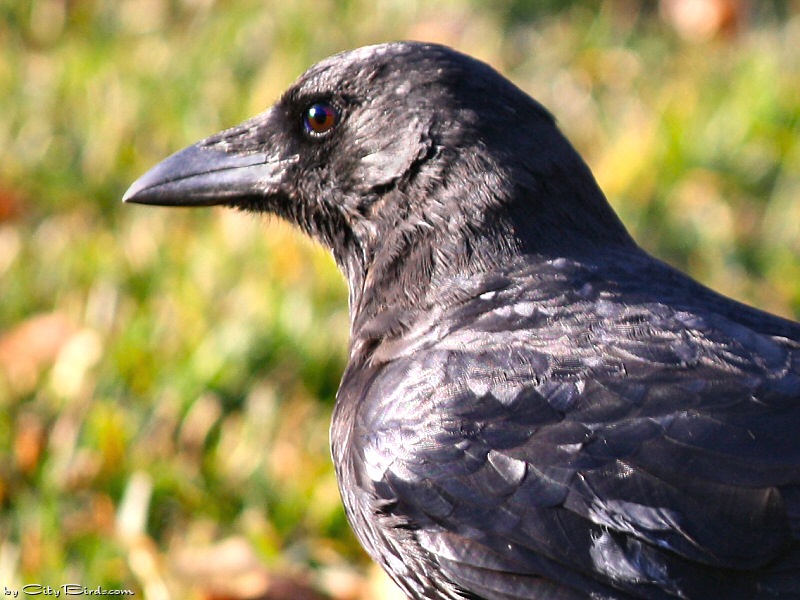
<point x="397" y="154"/>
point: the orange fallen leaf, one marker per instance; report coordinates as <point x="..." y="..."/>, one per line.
<point x="32" y="346"/>
<point x="231" y="570"/>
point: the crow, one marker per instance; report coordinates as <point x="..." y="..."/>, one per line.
<point x="533" y="406"/>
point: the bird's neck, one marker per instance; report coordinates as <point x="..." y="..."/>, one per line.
<point x="398" y="271"/>
<point x="407" y="274"/>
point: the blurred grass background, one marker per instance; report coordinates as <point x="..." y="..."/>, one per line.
<point x="167" y="377"/>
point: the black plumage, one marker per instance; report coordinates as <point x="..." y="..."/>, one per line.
<point x="533" y="407"/>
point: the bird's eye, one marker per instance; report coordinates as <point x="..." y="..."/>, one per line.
<point x="320" y="118"/>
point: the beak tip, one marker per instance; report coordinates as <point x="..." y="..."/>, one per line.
<point x="141" y="190"/>
<point x="134" y="194"/>
<point x="129" y="194"/>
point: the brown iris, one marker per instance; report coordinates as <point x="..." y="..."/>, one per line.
<point x="320" y="118"/>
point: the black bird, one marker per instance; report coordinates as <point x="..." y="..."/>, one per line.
<point x="533" y="407"/>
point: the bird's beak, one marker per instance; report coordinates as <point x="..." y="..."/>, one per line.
<point x="205" y="175"/>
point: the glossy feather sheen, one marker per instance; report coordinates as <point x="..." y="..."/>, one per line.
<point x="534" y="407"/>
<point x="635" y="441"/>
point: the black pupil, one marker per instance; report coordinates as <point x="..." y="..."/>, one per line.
<point x="319" y="114"/>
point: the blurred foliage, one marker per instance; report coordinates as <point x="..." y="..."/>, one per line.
<point x="167" y="377"/>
